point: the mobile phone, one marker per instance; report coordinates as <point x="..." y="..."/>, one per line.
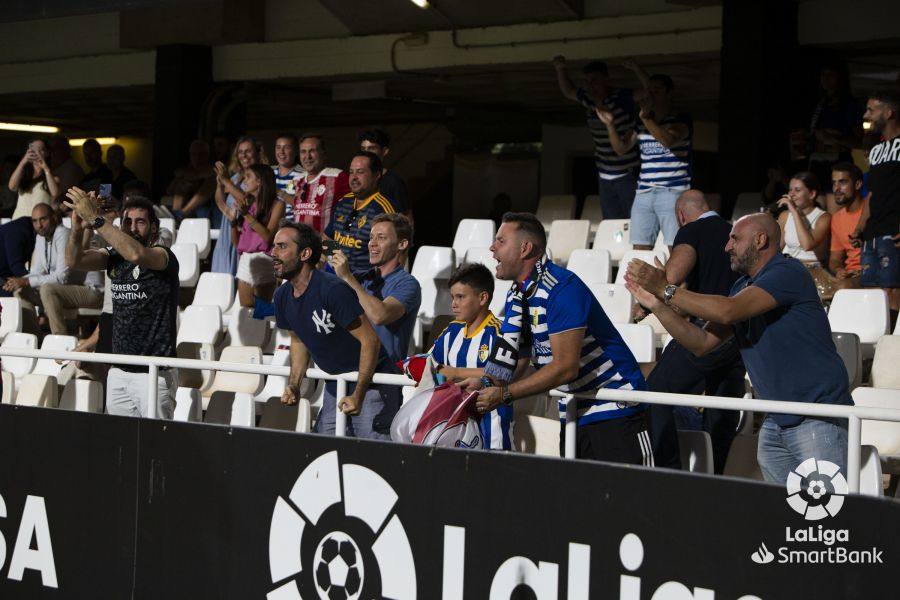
<point x="105" y="191"/>
<point x="329" y="247"/>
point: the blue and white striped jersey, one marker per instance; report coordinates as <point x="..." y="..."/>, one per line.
<point x="285" y="183"/>
<point x="621" y="104"/>
<point x="456" y="347"/>
<point x="562" y="302"/>
<point x="665" y="167"/>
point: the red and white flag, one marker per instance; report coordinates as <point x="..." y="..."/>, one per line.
<point x="438" y="416"/>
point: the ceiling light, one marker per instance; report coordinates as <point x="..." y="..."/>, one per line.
<point x="31" y="128"/>
<point x="103" y="141"/>
<point x="420" y="3"/>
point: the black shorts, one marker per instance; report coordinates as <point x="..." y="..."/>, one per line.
<point x="624" y="440"/>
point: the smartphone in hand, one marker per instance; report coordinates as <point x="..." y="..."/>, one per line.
<point x="329" y="247"/>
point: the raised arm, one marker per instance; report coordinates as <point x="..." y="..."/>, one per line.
<point x="619" y="145"/>
<point x="810" y="238"/>
<point x="369" y="346"/>
<point x="566" y="86"/>
<point x="16" y="178"/>
<point x="667" y="136"/>
<point x="639" y="72"/>
<point x="380" y="312"/>
<point x="77" y="256"/>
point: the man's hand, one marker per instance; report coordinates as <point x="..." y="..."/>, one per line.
<point x="85" y="205"/>
<point x="14" y="284"/>
<point x="559" y="61"/>
<point x="285" y="197"/>
<point x="643" y="297"/>
<point x="350" y="405"/>
<point x="489" y="399"/>
<point x="605" y="116"/>
<point x="341" y="265"/>
<point x="652" y="279"/>
<point x="856" y="239"/>
<point x="472" y="384"/>
<point x="291" y="394"/>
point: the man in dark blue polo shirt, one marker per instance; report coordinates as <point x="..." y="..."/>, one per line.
<point x="389" y="295"/>
<point x="775" y="315"/>
<point x="327" y="323"/>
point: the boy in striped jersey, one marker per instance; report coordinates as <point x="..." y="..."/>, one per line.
<point x="465" y="345"/>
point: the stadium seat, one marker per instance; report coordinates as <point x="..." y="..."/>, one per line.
<point x="231" y="408"/>
<point x="847" y="345"/>
<point x="472" y="233"/>
<point x="275" y="384"/>
<point x="897" y="328"/>
<point x="884" y="435"/>
<point x="244" y="330"/>
<point x="566" y="236"/>
<point x="591" y="266"/>
<point x="640" y="340"/>
<point x="592" y="211"/>
<point x="188" y="264"/>
<point x="19" y="366"/>
<point x="198" y="334"/>
<point x="863" y="312"/>
<point x="615" y="300"/>
<point x="871" y="477"/>
<point x="11" y="317"/>
<point x="747" y="203"/>
<point x="557" y="207"/>
<point x="613" y="235"/>
<point x="228" y="381"/>
<point x="82" y="395"/>
<point x="696" y="451"/>
<point x="715" y="202"/>
<point x="742" y="460"/>
<point x="486" y="257"/>
<point x="483" y="256"/>
<point x="188" y="405"/>
<point x="5" y="220"/>
<point x="294" y="417"/>
<point x="216" y="289"/>
<point x="432" y="269"/>
<point x="645" y="255"/>
<point x="8" y="395"/>
<point x="536" y="435"/>
<point x="48" y="366"/>
<point x="38" y="390"/>
<point x="170" y="224"/>
<point x="886" y="366"/>
<point x="195" y="231"/>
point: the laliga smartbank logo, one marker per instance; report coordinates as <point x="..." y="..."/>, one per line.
<point x="816" y="490"/>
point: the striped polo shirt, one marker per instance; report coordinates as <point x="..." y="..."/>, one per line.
<point x="351" y="226"/>
<point x="663" y="167"/>
<point x="285" y="183"/>
<point x="621" y="104"/>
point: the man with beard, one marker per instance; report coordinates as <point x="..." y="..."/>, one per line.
<point x="843" y="260"/>
<point x="144" y="285"/>
<point x="320" y="188"/>
<point x="328" y="324"/>
<point x="781" y="328"/>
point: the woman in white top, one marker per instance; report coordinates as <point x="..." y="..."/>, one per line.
<point x="804" y="226"/>
<point x="33" y="180"/>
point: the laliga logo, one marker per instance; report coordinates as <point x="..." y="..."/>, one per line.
<point x="336" y="537"/>
<point x="824" y="493"/>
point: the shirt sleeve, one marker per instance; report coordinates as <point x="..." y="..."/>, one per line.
<point x="586" y="101"/>
<point x="343" y="305"/>
<point x="687" y="235"/>
<point x="341" y="185"/>
<point x="437" y="350"/>
<point x="568" y="307"/>
<point x="408" y="293"/>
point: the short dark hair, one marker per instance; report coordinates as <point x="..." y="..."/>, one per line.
<point x="287" y="136"/>
<point x="889" y="97"/>
<point x="376" y="136"/>
<point x="530" y="224"/>
<point x="312" y="134"/>
<point x="848" y="167"/>
<point x="142" y="204"/>
<point x="136" y="189"/>
<point x="665" y="80"/>
<point x="374" y="162"/>
<point x="306" y="237"/>
<point x="91" y="142"/>
<point x="595" y="66"/>
<point x="401" y="224"/>
<point x="476" y="276"/>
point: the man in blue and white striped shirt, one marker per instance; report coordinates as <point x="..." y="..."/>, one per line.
<point x="616" y="173"/>
<point x="664" y="139"/>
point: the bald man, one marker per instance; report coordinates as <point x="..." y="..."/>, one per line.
<point x="774" y="314"/>
<point x="698" y="262"/>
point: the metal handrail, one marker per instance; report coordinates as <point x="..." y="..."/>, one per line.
<point x="854" y="414"/>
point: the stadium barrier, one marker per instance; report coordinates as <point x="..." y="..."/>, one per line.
<point x="853" y="414"/>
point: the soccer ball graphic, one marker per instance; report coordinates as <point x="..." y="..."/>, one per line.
<point x="816" y="489"/>
<point x="824" y="490"/>
<point x="339" y="568"/>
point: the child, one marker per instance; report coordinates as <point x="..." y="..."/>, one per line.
<point x="462" y="350"/>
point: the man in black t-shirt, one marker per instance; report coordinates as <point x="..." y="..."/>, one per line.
<point x="144" y="282"/>
<point x="391" y="185"/>
<point x="698" y="261"/>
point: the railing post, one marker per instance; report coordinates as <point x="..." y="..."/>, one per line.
<point x="152" y="391"/>
<point x="854" y="427"/>
<point x="571" y="425"/>
<point x="340" y="419"/>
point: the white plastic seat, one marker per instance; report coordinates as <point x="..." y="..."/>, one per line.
<point x="48" y="366"/>
<point x="645" y="255"/>
<point x="200" y="324"/>
<point x="188" y="264"/>
<point x="483" y="256"/>
<point x="555" y="207"/>
<point x="82" y="395"/>
<point x="616" y="301"/>
<point x="883" y="435"/>
<point x="168" y="223"/>
<point x="432" y="269"/>
<point x="228" y="381"/>
<point x="591" y="266"/>
<point x="639" y="339"/>
<point x="613" y="235"/>
<point x="747" y="203"/>
<point x="696" y="451"/>
<point x="38" y="390"/>
<point x="592" y="211"/>
<point x="188" y="405"/>
<point x="11" y="317"/>
<point x="195" y="231"/>
<point x="275" y="384"/>
<point x="19" y="366"/>
<point x="871" y="482"/>
<point x="536" y="435"/>
<point x="244" y="330"/>
<point x="216" y="289"/>
<point x="8" y="395"/>
<point x="472" y="233"/>
<point x="886" y="366"/>
<point x="566" y="236"/>
<point x="863" y="312"/>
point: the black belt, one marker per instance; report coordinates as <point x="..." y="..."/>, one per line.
<point x="138" y="368"/>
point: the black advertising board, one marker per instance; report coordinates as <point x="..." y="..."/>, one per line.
<point x="218" y="512"/>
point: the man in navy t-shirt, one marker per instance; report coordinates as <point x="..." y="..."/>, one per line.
<point x="328" y="324"/>
<point x="781" y="328"/>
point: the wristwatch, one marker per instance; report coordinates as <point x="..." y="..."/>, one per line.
<point x="507" y="396"/>
<point x="669" y="293"/>
<point x="99" y="222"/>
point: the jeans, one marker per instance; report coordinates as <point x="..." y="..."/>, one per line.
<point x="654" y="210"/>
<point x="782" y="449"/>
<point x="126" y="393"/>
<point x="880" y="263"/>
<point x="374" y="419"/>
<point x="617" y="196"/>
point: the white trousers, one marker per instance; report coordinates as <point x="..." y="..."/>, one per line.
<point x="126" y="393"/>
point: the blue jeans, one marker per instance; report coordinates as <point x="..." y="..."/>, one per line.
<point x="880" y="263"/>
<point x="374" y="419"/>
<point x="617" y="196"/>
<point x="781" y="449"/>
<point x="654" y="210"/>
